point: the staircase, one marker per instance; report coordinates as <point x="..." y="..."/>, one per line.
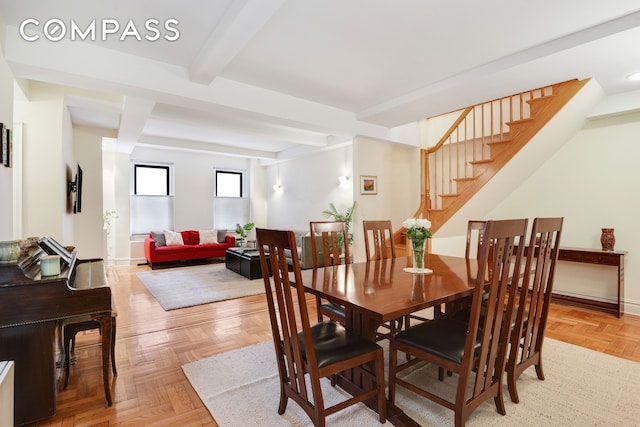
<point x="478" y="144"/>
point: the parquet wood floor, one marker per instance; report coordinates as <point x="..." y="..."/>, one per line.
<point x="152" y="345"/>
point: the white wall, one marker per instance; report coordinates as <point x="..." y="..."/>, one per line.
<point x="46" y="164"/>
<point x="309" y="183"/>
<point x="397" y="168"/>
<point x="88" y="224"/>
<point x="6" y="116"/>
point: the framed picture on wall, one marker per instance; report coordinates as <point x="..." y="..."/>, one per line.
<point x="368" y="184"/>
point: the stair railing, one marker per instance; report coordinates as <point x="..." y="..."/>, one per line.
<point x="468" y="141"/>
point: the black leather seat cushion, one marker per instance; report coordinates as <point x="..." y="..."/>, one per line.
<point x="443" y="337"/>
<point x="334" y="343"/>
<point x="332" y="307"/>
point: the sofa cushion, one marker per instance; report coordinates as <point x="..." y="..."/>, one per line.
<point x="158" y="237"/>
<point x="222" y="236"/>
<point x="208" y="237"/>
<point x="190" y="237"/>
<point x="173" y="238"/>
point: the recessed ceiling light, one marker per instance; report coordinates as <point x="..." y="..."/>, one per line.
<point x="634" y="76"/>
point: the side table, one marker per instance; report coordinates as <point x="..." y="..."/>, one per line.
<point x="596" y="256"/>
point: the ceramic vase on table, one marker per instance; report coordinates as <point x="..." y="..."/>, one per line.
<point x="607" y="239"/>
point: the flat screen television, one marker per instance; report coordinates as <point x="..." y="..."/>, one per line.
<point x="75" y="187"/>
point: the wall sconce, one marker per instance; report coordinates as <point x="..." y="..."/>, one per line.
<point x="343" y="179"/>
<point x="277" y="188"/>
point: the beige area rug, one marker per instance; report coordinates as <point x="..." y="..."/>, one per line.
<point x="582" y="388"/>
<point x="188" y="286"/>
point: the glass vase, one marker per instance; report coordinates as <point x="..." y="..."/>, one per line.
<point x="418" y="247"/>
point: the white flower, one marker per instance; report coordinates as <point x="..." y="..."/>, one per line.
<point x="417" y="228"/>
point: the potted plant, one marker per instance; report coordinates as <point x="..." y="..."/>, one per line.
<point x="346" y="217"/>
<point x="242" y="231"/>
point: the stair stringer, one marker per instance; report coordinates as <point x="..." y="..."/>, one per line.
<point x="557" y="132"/>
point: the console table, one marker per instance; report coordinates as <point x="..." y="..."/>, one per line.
<point x="600" y="257"/>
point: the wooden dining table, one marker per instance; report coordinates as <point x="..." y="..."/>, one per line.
<point x="375" y="292"/>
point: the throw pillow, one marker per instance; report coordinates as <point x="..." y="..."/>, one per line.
<point x="173" y="238"/>
<point x="222" y="236"/>
<point x="158" y="237"/>
<point x="208" y="237"/>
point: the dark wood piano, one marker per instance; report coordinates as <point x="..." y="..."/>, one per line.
<point x="31" y="311"/>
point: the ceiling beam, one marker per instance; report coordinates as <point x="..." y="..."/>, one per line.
<point x="135" y="113"/>
<point x="242" y="20"/>
<point x="202" y="147"/>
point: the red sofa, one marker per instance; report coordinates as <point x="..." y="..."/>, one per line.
<point x="192" y="249"/>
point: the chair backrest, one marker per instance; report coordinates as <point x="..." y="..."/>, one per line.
<point x="284" y="295"/>
<point x="377" y="235"/>
<point x="502" y="252"/>
<point x="475" y="234"/>
<point x="335" y="242"/>
<point x="535" y="293"/>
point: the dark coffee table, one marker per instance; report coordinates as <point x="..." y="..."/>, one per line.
<point x="244" y="261"/>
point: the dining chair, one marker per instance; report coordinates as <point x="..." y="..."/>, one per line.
<point x="475" y="238"/>
<point x="378" y="238"/>
<point x="535" y="297"/>
<point x="475" y="234"/>
<point x="333" y="252"/>
<point x="475" y="350"/>
<point x="378" y="242"/>
<point x="308" y="353"/>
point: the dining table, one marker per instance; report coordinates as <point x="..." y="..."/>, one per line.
<point x="378" y="291"/>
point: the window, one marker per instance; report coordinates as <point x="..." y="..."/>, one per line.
<point x="151" y="180"/>
<point x="152" y="198"/>
<point x="231" y="205"/>
<point x="229" y="184"/>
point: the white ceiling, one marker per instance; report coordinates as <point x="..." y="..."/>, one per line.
<point x="273" y="78"/>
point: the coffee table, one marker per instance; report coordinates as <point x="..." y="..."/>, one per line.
<point x="245" y="262"/>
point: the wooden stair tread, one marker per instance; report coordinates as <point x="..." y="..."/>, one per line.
<point x="465" y="179"/>
<point x="479" y="162"/>
<point x="501" y="141"/>
<point x="517" y="122"/>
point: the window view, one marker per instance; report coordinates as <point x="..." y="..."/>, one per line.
<point x="151" y="180"/>
<point x="152" y="198"/>
<point x="228" y="184"/>
<point x="231" y="205"/>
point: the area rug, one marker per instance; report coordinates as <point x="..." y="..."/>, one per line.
<point x="188" y="286"/>
<point x="582" y="388"/>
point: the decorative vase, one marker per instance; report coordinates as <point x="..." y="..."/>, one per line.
<point x="607" y="239"/>
<point x="418" y="246"/>
<point x="9" y="251"/>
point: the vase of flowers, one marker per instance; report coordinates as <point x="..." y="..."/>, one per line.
<point x="418" y="231"/>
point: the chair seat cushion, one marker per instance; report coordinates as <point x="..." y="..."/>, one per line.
<point x="333" y="308"/>
<point x="333" y="343"/>
<point x="443" y="337"/>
